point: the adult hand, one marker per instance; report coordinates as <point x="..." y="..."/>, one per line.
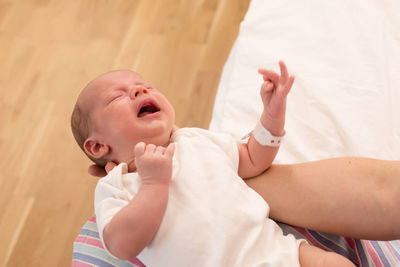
<point x="98" y="171"/>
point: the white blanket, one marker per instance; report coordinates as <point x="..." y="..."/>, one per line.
<point x="346" y="59"/>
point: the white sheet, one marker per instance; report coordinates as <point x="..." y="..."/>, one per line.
<point x="346" y="59"/>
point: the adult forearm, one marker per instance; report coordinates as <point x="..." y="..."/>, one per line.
<point x="355" y="197"/>
<point x="133" y="228"/>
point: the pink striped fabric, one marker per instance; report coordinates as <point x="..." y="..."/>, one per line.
<point x="89" y="251"/>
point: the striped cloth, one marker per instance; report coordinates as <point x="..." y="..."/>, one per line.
<point x="88" y="249"/>
<point x="360" y="252"/>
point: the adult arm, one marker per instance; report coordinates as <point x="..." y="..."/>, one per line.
<point x="354" y="197"/>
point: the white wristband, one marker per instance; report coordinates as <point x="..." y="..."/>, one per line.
<point x="265" y="138"/>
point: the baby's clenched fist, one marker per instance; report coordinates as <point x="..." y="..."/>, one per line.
<point x="154" y="163"/>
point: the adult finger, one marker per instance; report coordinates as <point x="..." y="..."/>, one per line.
<point x="96" y="171"/>
<point x="109" y="166"/>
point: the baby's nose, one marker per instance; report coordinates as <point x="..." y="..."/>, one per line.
<point x="138" y="90"/>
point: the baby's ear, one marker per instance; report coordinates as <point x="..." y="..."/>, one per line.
<point x="95" y="148"/>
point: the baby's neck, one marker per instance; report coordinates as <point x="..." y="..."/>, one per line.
<point x="174" y="129"/>
<point x="131" y="164"/>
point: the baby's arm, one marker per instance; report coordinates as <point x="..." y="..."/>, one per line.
<point x="255" y="158"/>
<point x="134" y="226"/>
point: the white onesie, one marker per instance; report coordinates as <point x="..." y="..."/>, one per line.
<point x="212" y="218"/>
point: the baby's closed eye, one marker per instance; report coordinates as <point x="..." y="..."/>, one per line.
<point x="116" y="97"/>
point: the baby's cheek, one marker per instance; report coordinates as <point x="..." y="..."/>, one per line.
<point x="125" y="136"/>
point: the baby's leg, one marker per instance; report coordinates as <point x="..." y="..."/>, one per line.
<point x="310" y="256"/>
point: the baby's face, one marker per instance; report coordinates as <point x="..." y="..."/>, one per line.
<point x="127" y="110"/>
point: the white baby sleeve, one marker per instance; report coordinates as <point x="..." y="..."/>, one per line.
<point x="111" y="196"/>
<point x="228" y="144"/>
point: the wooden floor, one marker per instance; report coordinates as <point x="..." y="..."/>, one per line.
<point x="49" y="50"/>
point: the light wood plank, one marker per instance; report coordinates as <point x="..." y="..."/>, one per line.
<point x="49" y="50"/>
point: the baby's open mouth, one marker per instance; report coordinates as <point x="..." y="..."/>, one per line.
<point x="147" y="108"/>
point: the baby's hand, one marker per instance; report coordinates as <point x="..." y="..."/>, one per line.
<point x="154" y="163"/>
<point x="274" y="91"/>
